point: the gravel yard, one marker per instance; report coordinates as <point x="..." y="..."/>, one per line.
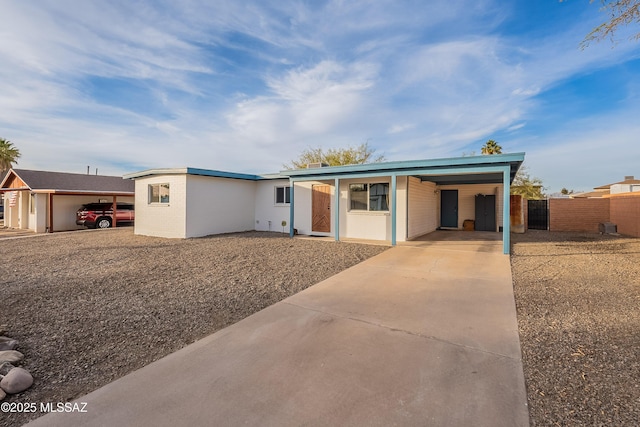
<point x="90" y="307"/>
<point x="578" y="298"/>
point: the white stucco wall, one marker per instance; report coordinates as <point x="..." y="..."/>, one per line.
<point x="159" y="219"/>
<point x="38" y="219"/>
<point x="268" y="214"/>
<point x="467" y="201"/>
<point x="423" y="213"/>
<point x="624" y="188"/>
<point x="219" y="205"/>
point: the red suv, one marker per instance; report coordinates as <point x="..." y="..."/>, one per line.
<point x="100" y="215"/>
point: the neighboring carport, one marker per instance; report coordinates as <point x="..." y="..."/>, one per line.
<point x="45" y="201"/>
<point x="497" y="169"/>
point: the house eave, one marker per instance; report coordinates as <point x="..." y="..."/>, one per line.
<point x="421" y="168"/>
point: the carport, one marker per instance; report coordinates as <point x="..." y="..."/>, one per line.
<point x="44" y="201"/>
<point x="412" y="186"/>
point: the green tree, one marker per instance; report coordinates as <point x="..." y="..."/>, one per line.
<point x="530" y="188"/>
<point x="621" y="13"/>
<point x="8" y="156"/>
<point x="336" y="156"/>
<point x="491" y="147"/>
<point x="565" y="191"/>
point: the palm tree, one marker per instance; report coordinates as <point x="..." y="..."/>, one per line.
<point x="491" y="147"/>
<point x="8" y="156"/>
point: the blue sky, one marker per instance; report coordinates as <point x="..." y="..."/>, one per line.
<point x="246" y="86"/>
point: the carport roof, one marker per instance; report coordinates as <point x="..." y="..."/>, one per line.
<point x="455" y="170"/>
<point x="56" y="182"/>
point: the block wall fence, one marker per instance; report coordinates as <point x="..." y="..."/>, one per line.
<point x="587" y="214"/>
<point x="577" y="214"/>
<point x="625" y="213"/>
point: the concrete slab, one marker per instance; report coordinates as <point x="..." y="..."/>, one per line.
<point x="414" y="336"/>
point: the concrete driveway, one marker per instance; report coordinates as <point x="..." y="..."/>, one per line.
<point x="423" y="334"/>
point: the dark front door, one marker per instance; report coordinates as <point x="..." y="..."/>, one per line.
<point x="449" y="208"/>
<point x="485" y="213"/>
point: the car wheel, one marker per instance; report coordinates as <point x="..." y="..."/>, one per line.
<point x="103" y="222"/>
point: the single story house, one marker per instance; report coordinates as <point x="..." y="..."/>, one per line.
<point x="45" y="201"/>
<point x="389" y="201"/>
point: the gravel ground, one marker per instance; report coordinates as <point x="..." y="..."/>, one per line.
<point x="90" y="307"/>
<point x="577" y="298"/>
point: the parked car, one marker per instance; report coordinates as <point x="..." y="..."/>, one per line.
<point x="100" y="215"/>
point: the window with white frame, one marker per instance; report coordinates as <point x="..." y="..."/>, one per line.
<point x="158" y="193"/>
<point x="283" y="195"/>
<point x="369" y="197"/>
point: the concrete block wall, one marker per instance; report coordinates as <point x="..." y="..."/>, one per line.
<point x="625" y="213"/>
<point x="578" y="214"/>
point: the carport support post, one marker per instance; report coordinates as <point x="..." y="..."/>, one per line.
<point x="115" y="212"/>
<point x="50" y="212"/>
<point x="336" y="209"/>
<point x="506" y="217"/>
<point x="393" y="209"/>
<point x="291" y="184"/>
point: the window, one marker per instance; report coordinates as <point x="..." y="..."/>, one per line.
<point x="32" y="203"/>
<point x="369" y="197"/>
<point x="158" y="193"/>
<point x="283" y="195"/>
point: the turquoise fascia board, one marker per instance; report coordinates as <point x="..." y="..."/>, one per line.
<point x="204" y="172"/>
<point x="495" y="159"/>
<point x="222" y="174"/>
<point x="424" y="171"/>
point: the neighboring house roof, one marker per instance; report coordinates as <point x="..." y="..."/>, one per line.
<point x="628" y="180"/>
<point x="590" y="194"/>
<point x="56" y="182"/>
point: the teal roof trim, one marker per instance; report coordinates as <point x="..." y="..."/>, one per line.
<point x="203" y="172"/>
<point x="433" y="167"/>
<point x="430" y="167"/>
<point x="493" y="160"/>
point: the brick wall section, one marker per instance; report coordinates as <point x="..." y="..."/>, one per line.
<point x="625" y="213"/>
<point x="578" y="214"/>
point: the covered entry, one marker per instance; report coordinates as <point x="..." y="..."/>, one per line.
<point x="399" y="201"/>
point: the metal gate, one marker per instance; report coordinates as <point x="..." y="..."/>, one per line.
<point x="538" y="214"/>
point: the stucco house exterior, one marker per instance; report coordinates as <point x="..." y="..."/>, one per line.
<point x="390" y="201"/>
<point x="44" y="201"/>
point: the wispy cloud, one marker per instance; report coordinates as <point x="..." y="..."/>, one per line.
<point x="247" y="85"/>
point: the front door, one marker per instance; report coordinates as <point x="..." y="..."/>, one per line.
<point x="321" y="208"/>
<point x="449" y="208"/>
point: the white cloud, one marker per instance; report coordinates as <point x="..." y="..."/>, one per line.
<point x="419" y="80"/>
